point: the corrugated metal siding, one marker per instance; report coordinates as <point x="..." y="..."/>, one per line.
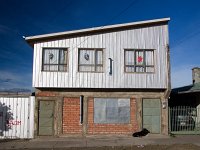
<point x="17" y="117"/>
<point x="113" y="43"/>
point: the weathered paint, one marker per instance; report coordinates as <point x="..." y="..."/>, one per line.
<point x="17" y="117"/>
<point x="151" y="115"/>
<point x="113" y="44"/>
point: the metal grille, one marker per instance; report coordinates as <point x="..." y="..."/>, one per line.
<point x="184" y="120"/>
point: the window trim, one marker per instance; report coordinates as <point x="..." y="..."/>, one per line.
<point x="58" y="48"/>
<point x="95" y="63"/>
<point x="144" y="50"/>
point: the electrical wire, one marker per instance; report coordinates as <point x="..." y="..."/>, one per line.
<point x="113" y="18"/>
<point x="185" y="38"/>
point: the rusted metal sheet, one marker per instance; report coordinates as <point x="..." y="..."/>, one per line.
<point x="17" y="117"/>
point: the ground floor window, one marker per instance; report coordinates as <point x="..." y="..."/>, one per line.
<point x="111" y="110"/>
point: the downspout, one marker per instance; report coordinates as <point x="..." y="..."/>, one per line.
<point x="81" y="109"/>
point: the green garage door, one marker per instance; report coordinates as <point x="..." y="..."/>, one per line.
<point x="46" y="117"/>
<point x="151" y="115"/>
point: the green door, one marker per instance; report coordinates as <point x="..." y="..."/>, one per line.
<point x="151" y="115"/>
<point x="46" y="117"/>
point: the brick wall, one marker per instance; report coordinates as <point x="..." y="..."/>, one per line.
<point x="71" y="116"/>
<point x="112" y="128"/>
<point x="46" y="94"/>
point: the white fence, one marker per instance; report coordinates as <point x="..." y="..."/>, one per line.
<point x="17" y="117"/>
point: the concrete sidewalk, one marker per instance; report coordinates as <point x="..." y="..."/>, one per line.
<point x="98" y="141"/>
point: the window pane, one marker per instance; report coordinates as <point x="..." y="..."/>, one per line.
<point x="149" y="58"/>
<point x="124" y="114"/>
<point x="99" y="57"/>
<point x="129" y="58"/>
<point x="87" y="68"/>
<point x="143" y="60"/>
<point x="46" y="67"/>
<point x="63" y="56"/>
<point x="62" y="67"/>
<point x="99" y="110"/>
<point x="111" y="110"/>
<point x="139" y="57"/>
<point x="87" y="57"/>
<point x="51" y="56"/>
<point x="99" y="68"/>
<point x="53" y="60"/>
<point x="124" y="110"/>
<point x="139" y="69"/>
<point x="91" y="60"/>
<point x="130" y="69"/>
<point x="123" y="102"/>
<point x="149" y="69"/>
<point x="50" y="67"/>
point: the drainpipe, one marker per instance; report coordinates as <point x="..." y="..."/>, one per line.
<point x="110" y="72"/>
<point x="81" y="109"/>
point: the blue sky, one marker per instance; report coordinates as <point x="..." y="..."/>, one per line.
<point x="33" y="17"/>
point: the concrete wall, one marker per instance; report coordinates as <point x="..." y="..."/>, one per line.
<point x="196" y="75"/>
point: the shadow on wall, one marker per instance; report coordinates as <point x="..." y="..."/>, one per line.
<point x="5" y="116"/>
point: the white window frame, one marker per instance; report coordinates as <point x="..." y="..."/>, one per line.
<point x="58" y="64"/>
<point x="144" y="65"/>
<point x="95" y="65"/>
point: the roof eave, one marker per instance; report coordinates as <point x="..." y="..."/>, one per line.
<point x="31" y="39"/>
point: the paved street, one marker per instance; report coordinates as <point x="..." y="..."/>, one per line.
<point x="106" y="142"/>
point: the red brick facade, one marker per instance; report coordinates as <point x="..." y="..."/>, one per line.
<point x="71" y="116"/>
<point x="112" y="128"/>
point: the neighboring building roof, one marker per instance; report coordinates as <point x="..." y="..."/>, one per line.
<point x="187" y="89"/>
<point x="30" y="39"/>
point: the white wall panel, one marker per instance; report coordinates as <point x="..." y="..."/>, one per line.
<point x="17" y="117"/>
<point x="113" y="44"/>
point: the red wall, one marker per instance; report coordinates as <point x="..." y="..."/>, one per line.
<point x="71" y="116"/>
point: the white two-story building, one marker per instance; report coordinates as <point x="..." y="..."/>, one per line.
<point x="113" y="79"/>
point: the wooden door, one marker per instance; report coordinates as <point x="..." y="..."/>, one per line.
<point x="46" y="118"/>
<point x="151" y="115"/>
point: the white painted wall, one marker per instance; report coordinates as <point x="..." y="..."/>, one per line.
<point x="113" y="43"/>
<point x="17" y="117"/>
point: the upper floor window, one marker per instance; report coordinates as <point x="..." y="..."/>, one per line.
<point x="90" y="60"/>
<point x="54" y="59"/>
<point x="139" y="60"/>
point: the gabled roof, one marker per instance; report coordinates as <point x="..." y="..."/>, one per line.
<point x="31" y="39"/>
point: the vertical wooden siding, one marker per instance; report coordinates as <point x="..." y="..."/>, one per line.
<point x="113" y="43"/>
<point x="17" y="117"/>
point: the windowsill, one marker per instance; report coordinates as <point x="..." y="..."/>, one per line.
<point x="140" y="72"/>
<point x="54" y="71"/>
<point x="89" y="72"/>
